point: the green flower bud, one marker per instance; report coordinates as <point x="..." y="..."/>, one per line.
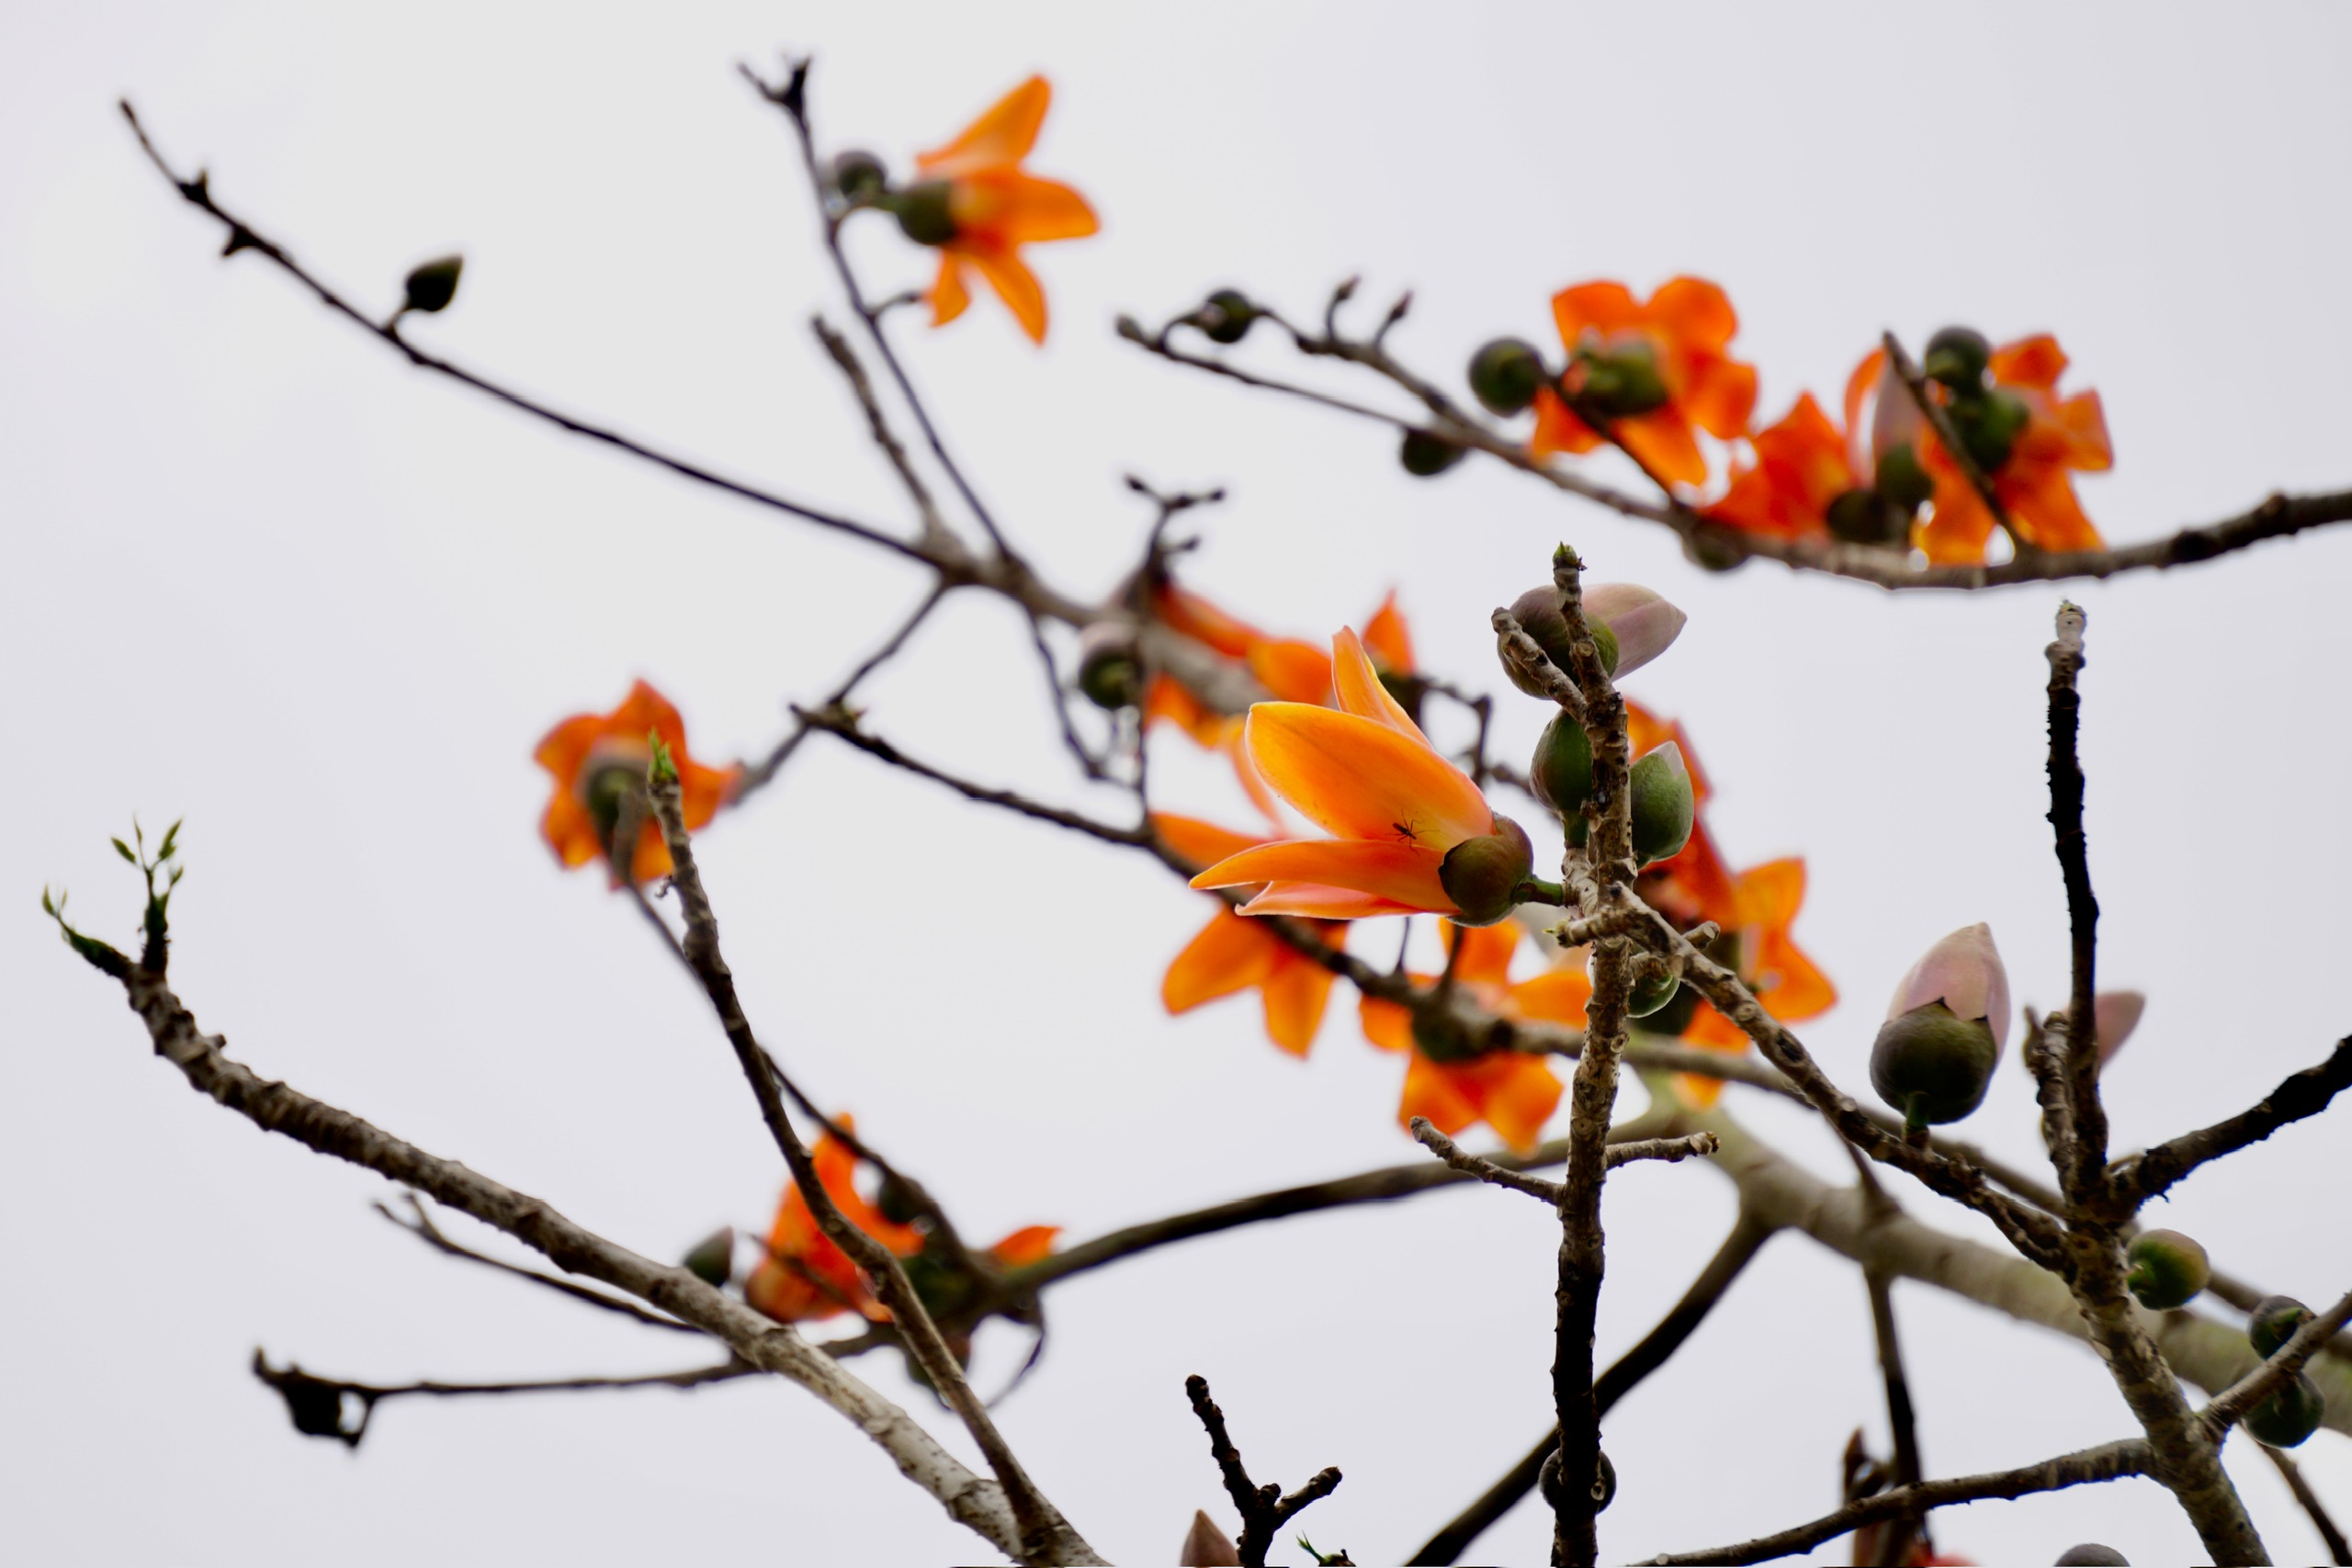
<point x="1932" y="1066"/>
<point x="1537" y="611"/>
<point x="858" y="175"/>
<point x="2167" y="1269"/>
<point x="1863" y="516"/>
<point x="925" y="212"/>
<point x="2288" y="1416"/>
<point x="1989" y="424"/>
<point x="1623" y="382"/>
<point x="712" y="1259"/>
<point x="1482" y="875"/>
<point x="1674" y="1015"/>
<point x="1902" y="480"/>
<point x="1604" y="1482"/>
<point x="1957" y="357"/>
<point x="1505" y="374"/>
<point x="1654" y="983"/>
<point x="434" y="284"/>
<point x="2273" y="1322"/>
<point x="1426" y="454"/>
<point x="1225" y="316"/>
<point x="1663" y="806"/>
<point x="1561" y="769"/>
<point x="1108" y="670"/>
<point x="2091" y="1555"/>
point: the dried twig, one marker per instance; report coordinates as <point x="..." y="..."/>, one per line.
<point x="421" y="1226"/>
<point x="2141" y="1177"/>
<point x="1263" y="1509"/>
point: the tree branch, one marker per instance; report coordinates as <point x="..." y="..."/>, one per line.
<point x="2143" y="1177"/>
<point x="1263" y="1509"/>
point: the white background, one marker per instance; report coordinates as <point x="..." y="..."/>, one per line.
<point x="259" y="573"/>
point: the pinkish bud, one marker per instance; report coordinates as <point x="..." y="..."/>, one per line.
<point x="2114" y="1015"/>
<point x="1963" y="972"/>
<point x="1644" y="625"/>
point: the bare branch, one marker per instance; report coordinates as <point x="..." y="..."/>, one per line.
<point x="424" y="1230"/>
<point x="1486" y="1170"/>
<point x="1263" y="1509"/>
<point x="2141" y="1177"/>
<point x="2082" y="1176"/>
<point x="2339" y="1551"/>
<point x="2230" y="1406"/>
<point x="1666" y="1149"/>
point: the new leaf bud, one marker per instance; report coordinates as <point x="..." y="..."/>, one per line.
<point x="2273" y="1322"/>
<point x="1505" y="374"/>
<point x="712" y="1259"/>
<point x="1933" y="1065"/>
<point x="434" y="284"/>
<point x="1957" y="356"/>
<point x="2167" y="1270"/>
<point x="1561" y="769"/>
<point x="1225" y="316"/>
<point x="1426" y="454"/>
<point x="2289" y="1415"/>
<point x="1662" y="804"/>
<point x="1482" y="875"/>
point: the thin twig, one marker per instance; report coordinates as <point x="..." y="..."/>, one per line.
<point x="1486" y="1170"/>
<point x="2230" y="1406"/>
<point x="2339" y="1551"/>
<point x="1263" y="1509"/>
<point x="424" y="1230"/>
<point x="1668" y="1150"/>
<point x="2143" y="1177"/>
<point x="760" y="775"/>
<point x="2084" y="1176"/>
<point x="1895" y="1543"/>
<point x="874" y="745"/>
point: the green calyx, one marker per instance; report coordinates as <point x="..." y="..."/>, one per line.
<point x="2273" y="1322"/>
<point x="1903" y="480"/>
<point x="1561" y="770"/>
<point x="1225" y="316"/>
<point x="1482" y="875"/>
<point x="602" y="792"/>
<point x="1112" y="678"/>
<point x="2167" y="1270"/>
<point x="434" y="284"/>
<point x="712" y="1259"/>
<point x="1988" y="424"/>
<point x="1656" y="983"/>
<point x="1621" y="383"/>
<point x="2289" y="1415"/>
<point x="1426" y="455"/>
<point x="1931" y="1065"/>
<point x="1957" y="357"/>
<point x="1505" y="375"/>
<point x="859" y="177"/>
<point x="925" y="212"/>
<point x="1663" y="806"/>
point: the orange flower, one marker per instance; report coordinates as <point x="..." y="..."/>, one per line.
<point x="1511" y="1091"/>
<point x="805" y="1276"/>
<point x="1669" y="357"/>
<point x="599" y="761"/>
<point x="991" y="208"/>
<point x="1801" y="465"/>
<point x="1233" y="954"/>
<point x="2061" y="437"/>
<point x="1365" y="773"/>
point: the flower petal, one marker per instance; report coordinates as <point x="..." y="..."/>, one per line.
<point x="1316" y="901"/>
<point x="1295" y="672"/>
<point x="1008" y="207"/>
<point x="1014" y="284"/>
<point x="1229" y="955"/>
<point x="1486" y="951"/>
<point x="1201" y="844"/>
<point x="1696" y="312"/>
<point x="1386" y="1024"/>
<point x="1359" y="690"/>
<point x="1030" y="1244"/>
<point x="2114" y="1015"/>
<point x="1002" y="135"/>
<point x="1644" y="624"/>
<point x="1295" y="995"/>
<point x="1363" y="780"/>
<point x="1388" y="639"/>
<point x="1405" y="874"/>
<point x="949" y="297"/>
<point x="1556" y="996"/>
<point x="1963" y="971"/>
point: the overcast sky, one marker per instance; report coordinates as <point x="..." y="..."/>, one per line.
<point x="261" y="574"/>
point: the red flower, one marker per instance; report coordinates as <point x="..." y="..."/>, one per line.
<point x="994" y="207"/>
<point x="1232" y="954"/>
<point x="599" y="761"/>
<point x="1670" y="356"/>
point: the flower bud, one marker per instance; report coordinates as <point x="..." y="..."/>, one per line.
<point x="1206" y="1546"/>
<point x="926" y="213"/>
<point x="1989" y="424"/>
<point x="1538" y="613"/>
<point x="857" y="175"/>
<point x="1640" y="624"/>
<point x="434" y="284"/>
<point x="1108" y="670"/>
<point x="2273" y="1322"/>
<point x="1963" y="971"/>
<point x="1482" y="875"/>
<point x="2114" y="1015"/>
<point x="2289" y="1415"/>
<point x="1654" y="983"/>
<point x="1957" y="356"/>
<point x="1619" y="383"/>
<point x="2167" y="1270"/>
<point x="712" y="1259"/>
<point x="2091" y="1555"/>
<point x="1225" y="316"/>
<point x="1505" y="373"/>
<point x="1863" y="516"/>
<point x="1426" y="454"/>
<point x="1902" y="480"/>
<point x="1561" y="769"/>
<point x="1604" y="1481"/>
<point x="1932" y="1066"/>
<point x="1663" y="803"/>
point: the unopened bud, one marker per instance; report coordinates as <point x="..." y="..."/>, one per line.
<point x="434" y="284"/>
<point x="1505" y="374"/>
<point x="1957" y="357"/>
<point x="1933" y="1065"/>
<point x="1225" y="316"/>
<point x="1639" y="624"/>
<point x="1964" y="972"/>
<point x="2273" y="1322"/>
<point x="926" y="212"/>
<point x="858" y="175"/>
<point x="1662" y="804"/>
<point x="2289" y="1415"/>
<point x="1426" y="454"/>
<point x="1206" y="1546"/>
<point x="1108" y="670"/>
<point x="1654" y="983"/>
<point x="2091" y="1555"/>
<point x="712" y="1259"/>
<point x="2167" y="1270"/>
<point x="1604" y="1481"/>
<point x="2114" y="1015"/>
<point x="1561" y="769"/>
<point x="1482" y="875"/>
